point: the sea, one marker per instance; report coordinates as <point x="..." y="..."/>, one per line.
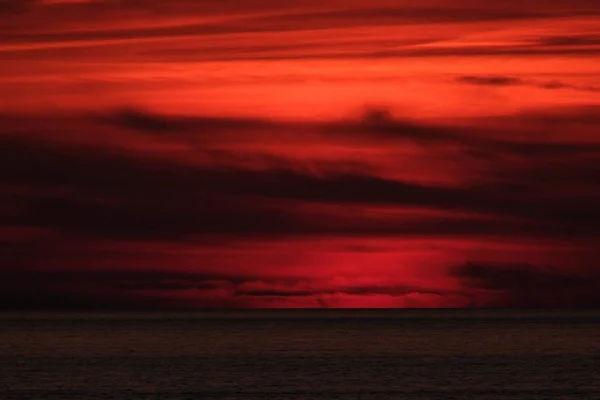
<point x="301" y="355"/>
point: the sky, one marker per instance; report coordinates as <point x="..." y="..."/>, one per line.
<point x="325" y="154"/>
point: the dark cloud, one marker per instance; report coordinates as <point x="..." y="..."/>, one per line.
<point x="497" y="80"/>
<point x="571" y="40"/>
<point x="150" y="122"/>
<point x="380" y="122"/>
<point x="121" y="278"/>
<point x="26" y="288"/>
<point x="555" y="120"/>
<point x="109" y="192"/>
<point x="234" y="207"/>
<point x="164" y="219"/>
<point x="375" y="122"/>
<point x="70" y="190"/>
<point x="518" y="277"/>
<point x="100" y="210"/>
<point x="336" y="53"/>
<point x="15" y="6"/>
<point x="150" y="289"/>
<point x="561" y="85"/>
<point x="391" y="290"/>
<point x="527" y="285"/>
<point x="485" y="50"/>
<point x="143" y="121"/>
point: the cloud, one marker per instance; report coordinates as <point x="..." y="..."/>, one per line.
<point x="243" y="30"/>
<point x="496" y="80"/>
<point x="43" y="288"/>
<point x="15" y="6"/>
<point x="110" y="192"/>
<point x="571" y="40"/>
<point x="507" y="81"/>
<point x="150" y="122"/>
<point x="182" y="200"/>
<point x="151" y="289"/>
<point x="140" y="179"/>
<point x="527" y="285"/>
<point x="517" y="276"/>
<point x="380" y="123"/>
<point x="390" y="290"/>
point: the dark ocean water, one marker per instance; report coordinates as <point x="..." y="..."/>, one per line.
<point x="321" y="354"/>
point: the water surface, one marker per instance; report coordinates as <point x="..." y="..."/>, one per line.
<point x="320" y="354"/>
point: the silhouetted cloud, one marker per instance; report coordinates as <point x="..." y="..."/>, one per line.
<point x="15" y="6"/>
<point x="527" y="285"/>
<point x="571" y="40"/>
<point x="500" y="81"/>
<point x="150" y="289"/>
<point x="110" y="193"/>
<point x="230" y="178"/>
<point x="124" y="183"/>
<point x="518" y="277"/>
<point x="356" y="290"/>
<point x="26" y="288"/>
<point x="491" y="80"/>
<point x="150" y="122"/>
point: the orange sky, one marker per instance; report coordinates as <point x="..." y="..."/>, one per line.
<point x="255" y="153"/>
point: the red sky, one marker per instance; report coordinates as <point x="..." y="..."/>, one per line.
<point x="252" y="153"/>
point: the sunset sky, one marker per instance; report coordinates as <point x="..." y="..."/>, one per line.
<point x="168" y="154"/>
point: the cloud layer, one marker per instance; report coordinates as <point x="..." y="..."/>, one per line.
<point x="134" y="186"/>
<point x="248" y="153"/>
